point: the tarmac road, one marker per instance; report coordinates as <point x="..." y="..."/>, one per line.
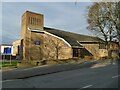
<point x="99" y="77"/>
<point x="42" y="70"/>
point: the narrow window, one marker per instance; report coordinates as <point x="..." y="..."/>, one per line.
<point x="31" y="20"/>
<point x="35" y="21"/>
<point x="39" y="21"/>
<point x="65" y="44"/>
<point x="28" y="20"/>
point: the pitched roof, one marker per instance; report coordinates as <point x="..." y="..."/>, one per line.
<point x="72" y="38"/>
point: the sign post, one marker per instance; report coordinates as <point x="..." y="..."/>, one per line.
<point x="7" y="51"/>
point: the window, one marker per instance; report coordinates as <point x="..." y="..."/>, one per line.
<point x="38" y="21"/>
<point x="37" y="42"/>
<point x="31" y="20"/>
<point x="35" y="20"/>
<point x="65" y="44"/>
<point x="28" y="20"/>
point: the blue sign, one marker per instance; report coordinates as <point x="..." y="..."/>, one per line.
<point x="7" y="50"/>
<point x="37" y="42"/>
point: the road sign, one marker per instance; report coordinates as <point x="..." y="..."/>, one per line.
<point x="7" y="51"/>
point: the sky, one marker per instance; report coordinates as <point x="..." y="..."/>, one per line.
<point x="66" y="16"/>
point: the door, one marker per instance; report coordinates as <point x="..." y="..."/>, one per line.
<point x="76" y="52"/>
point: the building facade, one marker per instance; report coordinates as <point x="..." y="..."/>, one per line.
<point x="36" y="43"/>
<point x="42" y="43"/>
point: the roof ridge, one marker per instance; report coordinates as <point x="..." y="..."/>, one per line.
<point x="69" y="32"/>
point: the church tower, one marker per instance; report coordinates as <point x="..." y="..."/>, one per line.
<point x="30" y="22"/>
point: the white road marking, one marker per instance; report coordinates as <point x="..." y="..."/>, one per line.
<point x="87" y="86"/>
<point x="9" y="69"/>
<point x="10" y="80"/>
<point x="98" y="65"/>
<point x="116" y="76"/>
<point x="6" y="80"/>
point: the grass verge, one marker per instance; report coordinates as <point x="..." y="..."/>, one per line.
<point x="8" y="64"/>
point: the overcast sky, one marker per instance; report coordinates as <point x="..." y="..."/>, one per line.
<point x="60" y="15"/>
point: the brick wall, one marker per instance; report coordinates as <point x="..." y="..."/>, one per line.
<point x="50" y="47"/>
<point x="32" y="21"/>
<point x="47" y="49"/>
<point x="15" y="47"/>
<point x="93" y="49"/>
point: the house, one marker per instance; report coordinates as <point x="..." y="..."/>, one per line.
<point x="114" y="47"/>
<point x="42" y="43"/>
<point x="16" y="49"/>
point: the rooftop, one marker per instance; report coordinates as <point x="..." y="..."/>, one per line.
<point x="73" y="38"/>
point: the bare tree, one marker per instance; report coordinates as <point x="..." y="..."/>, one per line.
<point x="57" y="44"/>
<point x="103" y="19"/>
<point x="53" y="47"/>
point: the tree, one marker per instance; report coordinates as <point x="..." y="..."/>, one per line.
<point x="103" y="20"/>
<point x="53" y="46"/>
<point x="118" y="23"/>
<point x="57" y="44"/>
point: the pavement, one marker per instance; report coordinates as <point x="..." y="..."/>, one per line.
<point x="14" y="73"/>
<point x="42" y="70"/>
<point x="79" y="78"/>
<point x="104" y="63"/>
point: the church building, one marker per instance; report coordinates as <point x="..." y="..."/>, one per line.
<point x="42" y="43"/>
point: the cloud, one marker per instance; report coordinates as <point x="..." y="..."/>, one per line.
<point x="62" y="15"/>
<point x="70" y="18"/>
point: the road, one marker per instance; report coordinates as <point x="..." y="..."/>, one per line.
<point x="42" y="70"/>
<point x="100" y="77"/>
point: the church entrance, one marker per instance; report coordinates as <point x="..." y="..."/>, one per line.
<point x="76" y="52"/>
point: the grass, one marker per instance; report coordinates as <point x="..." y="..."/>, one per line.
<point x="14" y="63"/>
<point x="8" y="64"/>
